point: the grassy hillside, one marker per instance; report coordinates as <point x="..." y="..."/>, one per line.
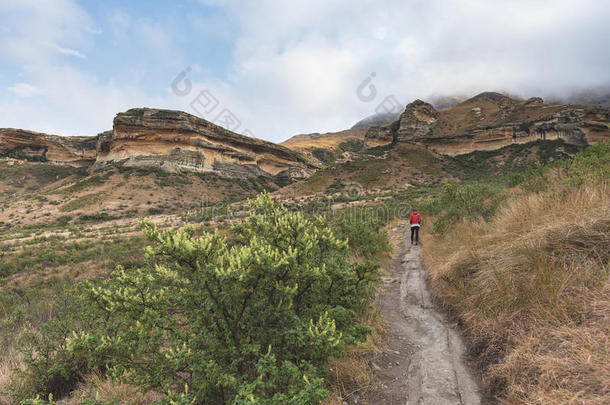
<point x="32" y="193"/>
<point x="529" y="284"/>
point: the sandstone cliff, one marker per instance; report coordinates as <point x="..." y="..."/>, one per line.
<point x="35" y="146"/>
<point x="491" y="120"/>
<point x="175" y="141"/>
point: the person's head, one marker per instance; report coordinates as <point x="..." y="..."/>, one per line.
<point x="414" y="210"/>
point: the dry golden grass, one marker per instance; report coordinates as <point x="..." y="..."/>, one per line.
<point x="98" y="388"/>
<point x="351" y="374"/>
<point x="530" y="290"/>
<point x="10" y="360"/>
<point x="329" y="140"/>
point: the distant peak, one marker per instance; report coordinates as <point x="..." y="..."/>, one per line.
<point x="492" y="95"/>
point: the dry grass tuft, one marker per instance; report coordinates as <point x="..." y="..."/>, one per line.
<point x="98" y="388"/>
<point x="351" y="374"/>
<point x="11" y="360"/>
<point x="530" y="290"/>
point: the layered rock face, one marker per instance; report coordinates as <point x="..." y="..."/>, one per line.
<point x="175" y="141"/>
<point x="35" y="146"/>
<point x="418" y="120"/>
<point x="491" y="120"/>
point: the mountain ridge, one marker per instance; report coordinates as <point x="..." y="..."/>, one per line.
<point x="170" y="140"/>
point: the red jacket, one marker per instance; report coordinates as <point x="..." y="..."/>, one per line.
<point x="415" y="218"/>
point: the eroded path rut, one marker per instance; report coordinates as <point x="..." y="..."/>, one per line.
<point x="423" y="357"/>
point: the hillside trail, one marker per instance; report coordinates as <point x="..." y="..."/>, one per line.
<point x="422" y="359"/>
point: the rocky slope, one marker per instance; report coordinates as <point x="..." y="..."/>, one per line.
<point x="175" y="141"/>
<point x="35" y="146"/>
<point x="492" y="120"/>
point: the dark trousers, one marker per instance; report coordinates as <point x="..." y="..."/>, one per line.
<point x="415" y="231"/>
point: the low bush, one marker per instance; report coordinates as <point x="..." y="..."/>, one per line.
<point x="464" y="201"/>
<point x="361" y="227"/>
<point x="96" y="216"/>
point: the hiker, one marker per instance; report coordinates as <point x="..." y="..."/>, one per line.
<point x="415" y="221"/>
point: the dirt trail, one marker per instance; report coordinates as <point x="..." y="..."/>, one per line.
<point x="423" y="357"/>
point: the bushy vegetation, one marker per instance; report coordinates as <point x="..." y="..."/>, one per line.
<point x="378" y="150"/>
<point x="323" y="155"/>
<point x="516" y="158"/>
<point x="248" y="318"/>
<point x="361" y="227"/>
<point x="96" y="216"/>
<point x="42" y="173"/>
<point x="352" y="145"/>
<point x="21" y="155"/>
<point x="463" y="201"/>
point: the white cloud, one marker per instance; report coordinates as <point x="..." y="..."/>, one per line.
<point x="75" y="102"/>
<point x="71" y="52"/>
<point x="25" y="90"/>
<point x="297" y="64"/>
<point x="36" y="26"/>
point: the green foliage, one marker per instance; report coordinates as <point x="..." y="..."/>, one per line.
<point x="352" y="145"/>
<point x="590" y="166"/>
<point x="475" y="200"/>
<point x="80" y="202"/>
<point x="530" y="179"/>
<point x="155" y="211"/>
<point x="250" y="319"/>
<point x="20" y="154"/>
<point x="513" y="160"/>
<point x="63" y="220"/>
<point x="91" y="181"/>
<point x="43" y="174"/>
<point x="335" y="187"/>
<point x="96" y="216"/>
<point x="361" y="227"/>
<point x="7" y="268"/>
<point x="378" y="150"/>
<point x="324" y="155"/>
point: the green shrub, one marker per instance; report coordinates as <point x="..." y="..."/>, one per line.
<point x="457" y="201"/>
<point x="97" y="216"/>
<point x="63" y="220"/>
<point x="352" y="145"/>
<point x="324" y="155"/>
<point x="530" y="179"/>
<point x="155" y="211"/>
<point x="378" y="150"/>
<point x="361" y="227"/>
<point x="7" y="268"/>
<point x="251" y="319"/>
<point x="590" y="166"/>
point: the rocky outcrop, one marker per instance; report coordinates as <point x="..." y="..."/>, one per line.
<point x="418" y="120"/>
<point x="491" y="120"/>
<point x="39" y="147"/>
<point x="175" y="141"/>
<point x="533" y="102"/>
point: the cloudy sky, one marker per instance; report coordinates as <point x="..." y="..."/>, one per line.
<point x="274" y="68"/>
